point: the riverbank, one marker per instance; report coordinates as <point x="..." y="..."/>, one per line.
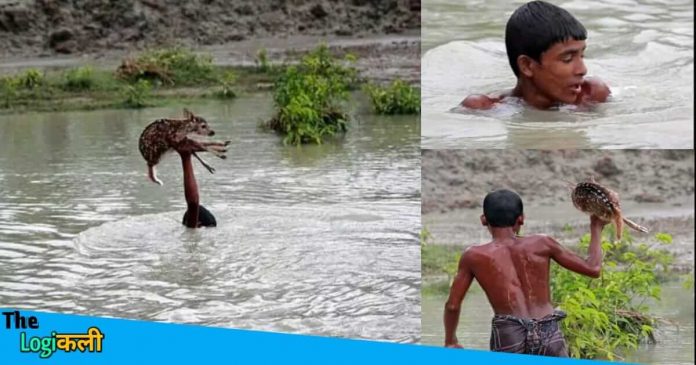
<point x="45" y="28"/>
<point x="255" y="65"/>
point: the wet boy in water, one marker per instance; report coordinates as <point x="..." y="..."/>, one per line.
<point x="545" y="46"/>
<point x="514" y="273"/>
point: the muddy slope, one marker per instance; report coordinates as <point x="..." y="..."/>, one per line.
<point x="45" y="27"/>
<point x="455" y="179"/>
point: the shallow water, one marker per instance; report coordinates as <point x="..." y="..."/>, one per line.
<point x="643" y="49"/>
<point x="675" y="342"/>
<point x="318" y="239"/>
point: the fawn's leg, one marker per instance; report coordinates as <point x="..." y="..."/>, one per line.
<point x="210" y="168"/>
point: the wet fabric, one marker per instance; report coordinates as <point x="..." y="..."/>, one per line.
<point x="529" y="336"/>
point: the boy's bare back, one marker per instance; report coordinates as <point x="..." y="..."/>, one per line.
<point x="514" y="273"/>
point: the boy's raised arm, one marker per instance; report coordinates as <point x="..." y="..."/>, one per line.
<point x="592" y="266"/>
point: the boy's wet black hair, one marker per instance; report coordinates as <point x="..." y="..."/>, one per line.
<point x="205" y="218"/>
<point x="502" y="207"/>
<point x="536" y="26"/>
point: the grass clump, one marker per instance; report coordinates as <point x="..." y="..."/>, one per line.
<point x="308" y="98"/>
<point x="31" y="79"/>
<point x="136" y="95"/>
<point x="397" y="98"/>
<point x="173" y="66"/>
<point x="261" y="61"/>
<point x="227" y="86"/>
<point x="79" y="79"/>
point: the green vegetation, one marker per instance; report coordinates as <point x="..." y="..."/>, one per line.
<point x="609" y="315"/>
<point x="8" y="90"/>
<point x="172" y="75"/>
<point x="227" y="86"/>
<point x="308" y="98"/>
<point x="137" y="94"/>
<point x="30" y="79"/>
<point x="79" y="79"/>
<point x="397" y="98"/>
<point x="174" y="66"/>
<point x="261" y="61"/>
<point x="606" y="316"/>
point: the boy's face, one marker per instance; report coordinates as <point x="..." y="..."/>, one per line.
<point x="560" y="73"/>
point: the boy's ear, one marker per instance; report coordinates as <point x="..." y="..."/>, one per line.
<point x="188" y="114"/>
<point x="520" y="220"/>
<point x="483" y="220"/>
<point x="524" y="64"/>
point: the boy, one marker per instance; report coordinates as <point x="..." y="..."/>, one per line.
<point x="514" y="273"/>
<point x="545" y="46"/>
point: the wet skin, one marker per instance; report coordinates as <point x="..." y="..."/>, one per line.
<point x="513" y="271"/>
<point x="558" y="78"/>
<point x="196" y="215"/>
<point x="190" y="191"/>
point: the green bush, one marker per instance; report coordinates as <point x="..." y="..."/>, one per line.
<point x="397" y="98"/>
<point x="30" y="79"/>
<point x="227" y="86"/>
<point x="8" y="90"/>
<point x="607" y="316"/>
<point x="79" y="79"/>
<point x="308" y="98"/>
<point x="136" y="95"/>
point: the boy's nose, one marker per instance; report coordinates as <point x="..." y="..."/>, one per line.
<point x="580" y="69"/>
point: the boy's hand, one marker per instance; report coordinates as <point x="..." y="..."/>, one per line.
<point x="478" y="101"/>
<point x="597" y="223"/>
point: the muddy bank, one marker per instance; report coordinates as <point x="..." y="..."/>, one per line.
<point x="454" y="179"/>
<point x="31" y="28"/>
<point x="380" y="58"/>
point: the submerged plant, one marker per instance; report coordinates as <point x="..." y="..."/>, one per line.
<point x="308" y="98"/>
<point x="397" y="98"/>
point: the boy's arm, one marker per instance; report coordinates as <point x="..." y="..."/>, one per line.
<point x="460" y="285"/>
<point x="592" y="266"/>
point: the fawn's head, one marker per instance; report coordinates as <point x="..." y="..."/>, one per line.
<point x="197" y="124"/>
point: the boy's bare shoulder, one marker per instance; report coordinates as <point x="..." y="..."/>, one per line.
<point x="475" y="250"/>
<point x="539" y="238"/>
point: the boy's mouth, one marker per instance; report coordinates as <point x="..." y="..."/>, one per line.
<point x="576" y="88"/>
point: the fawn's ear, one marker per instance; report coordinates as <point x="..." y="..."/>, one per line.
<point x="188" y="114"/>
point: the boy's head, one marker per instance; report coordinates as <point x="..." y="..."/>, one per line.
<point x="502" y="208"/>
<point x="546" y="44"/>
